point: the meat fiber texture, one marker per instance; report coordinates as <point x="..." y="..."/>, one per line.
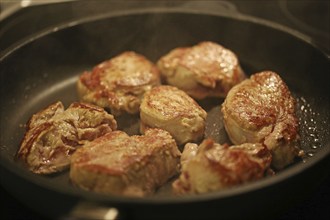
<point x="171" y="109"/>
<point x="210" y="167"/>
<point x="53" y="134"/>
<point x="126" y="165"/>
<point x="203" y="70"/>
<point x="262" y="110"/>
<point x="119" y="84"/>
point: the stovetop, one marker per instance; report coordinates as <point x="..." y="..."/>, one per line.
<point x="22" y="19"/>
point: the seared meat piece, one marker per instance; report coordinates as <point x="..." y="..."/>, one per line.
<point x="204" y="70"/>
<point x="119" y="83"/>
<point x="173" y="110"/>
<point x="126" y="165"/>
<point x="211" y="166"/>
<point x="53" y="134"/>
<point x="261" y="109"/>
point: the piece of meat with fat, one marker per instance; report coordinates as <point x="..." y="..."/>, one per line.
<point x="118" y="84"/>
<point x="126" y="165"/>
<point x="262" y="109"/>
<point x="171" y="109"/>
<point x="53" y="134"/>
<point x="203" y="70"/>
<point x="212" y="167"/>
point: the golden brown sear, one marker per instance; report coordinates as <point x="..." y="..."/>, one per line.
<point x="119" y="83"/>
<point x="204" y="70"/>
<point x="171" y="109"/>
<point x="211" y="167"/>
<point x="261" y="109"/>
<point x="126" y="165"/>
<point x="53" y="134"/>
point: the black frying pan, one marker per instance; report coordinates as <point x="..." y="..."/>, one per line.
<point x="44" y="69"/>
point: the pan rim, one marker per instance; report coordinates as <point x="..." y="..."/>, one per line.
<point x="158" y="10"/>
<point x="250" y="187"/>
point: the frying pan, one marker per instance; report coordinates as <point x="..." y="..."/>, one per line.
<point x="44" y="69"/>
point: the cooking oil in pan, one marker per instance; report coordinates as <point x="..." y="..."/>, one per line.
<point x="309" y="128"/>
<point x="310" y="125"/>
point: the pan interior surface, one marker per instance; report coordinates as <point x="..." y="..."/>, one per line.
<point x="46" y="69"/>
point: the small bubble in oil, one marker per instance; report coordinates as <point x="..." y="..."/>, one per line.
<point x="308" y="127"/>
<point x="310" y="154"/>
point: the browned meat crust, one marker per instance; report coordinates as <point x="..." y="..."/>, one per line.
<point x="211" y="166"/>
<point x="119" y="83"/>
<point x="127" y="165"/>
<point x="171" y="109"/>
<point x="261" y="109"/>
<point x="204" y="70"/>
<point x="53" y="134"/>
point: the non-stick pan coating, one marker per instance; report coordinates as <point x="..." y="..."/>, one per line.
<point x="45" y="69"/>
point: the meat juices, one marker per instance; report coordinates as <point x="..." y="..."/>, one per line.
<point x="126" y="165"/>
<point x="119" y="83"/>
<point x="204" y="70"/>
<point x="262" y="110"/>
<point x="171" y="109"/>
<point x="53" y="134"/>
